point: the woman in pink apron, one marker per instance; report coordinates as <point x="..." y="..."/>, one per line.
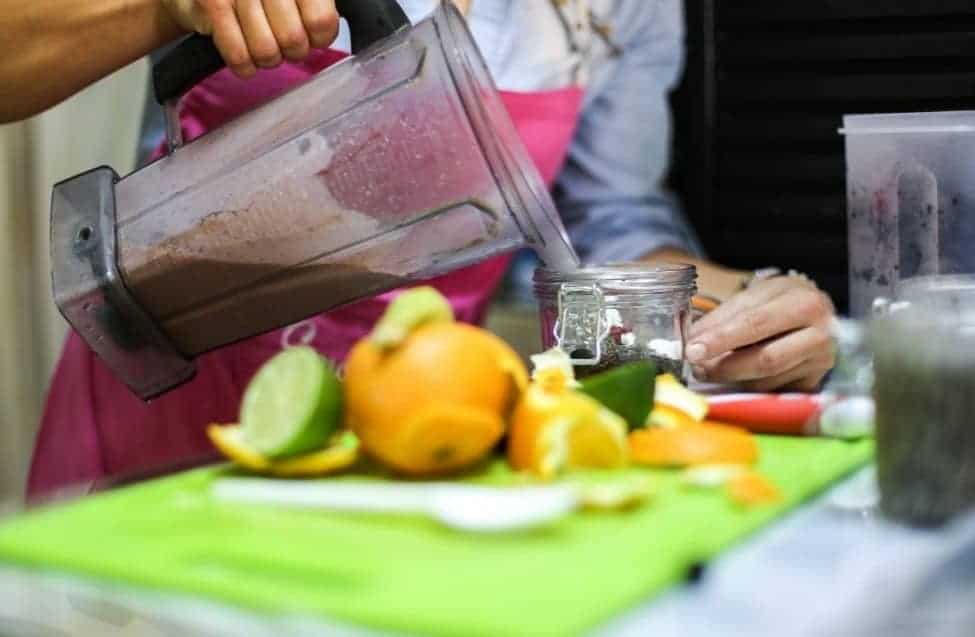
<point x="586" y="84"/>
<point x="94" y="426"/>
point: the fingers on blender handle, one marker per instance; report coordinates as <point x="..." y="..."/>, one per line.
<point x="288" y="27"/>
<point x="321" y="21"/>
<point x="197" y="57"/>
<point x="261" y="43"/>
<point x="230" y="42"/>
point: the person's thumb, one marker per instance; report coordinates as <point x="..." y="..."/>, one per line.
<point x="189" y="15"/>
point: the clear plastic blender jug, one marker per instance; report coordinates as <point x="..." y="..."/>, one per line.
<point x="911" y="192"/>
<point x="397" y="164"/>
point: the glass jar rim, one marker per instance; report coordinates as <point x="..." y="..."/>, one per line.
<point x="933" y="286"/>
<point x="918" y="333"/>
<point x="634" y="278"/>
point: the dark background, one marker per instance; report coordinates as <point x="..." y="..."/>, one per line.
<point x="758" y="160"/>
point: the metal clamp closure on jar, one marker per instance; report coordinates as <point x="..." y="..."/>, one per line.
<point x="580" y="327"/>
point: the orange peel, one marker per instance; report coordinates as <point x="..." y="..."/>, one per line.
<point x="696" y="445"/>
<point x="750" y="489"/>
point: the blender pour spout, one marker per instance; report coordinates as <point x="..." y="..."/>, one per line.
<point x="174" y="132"/>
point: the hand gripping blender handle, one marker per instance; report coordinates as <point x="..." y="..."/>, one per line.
<point x="196" y="57"/>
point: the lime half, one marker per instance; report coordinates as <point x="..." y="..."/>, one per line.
<point x="627" y="390"/>
<point x="292" y="405"/>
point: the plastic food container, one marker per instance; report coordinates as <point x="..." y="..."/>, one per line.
<point x="603" y="317"/>
<point x="910" y="191"/>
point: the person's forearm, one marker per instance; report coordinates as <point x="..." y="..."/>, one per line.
<point x="55" y="48"/>
<point x="713" y="280"/>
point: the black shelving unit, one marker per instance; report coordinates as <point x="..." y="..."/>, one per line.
<point x="758" y="159"/>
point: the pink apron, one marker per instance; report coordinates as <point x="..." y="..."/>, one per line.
<point x="94" y="427"/>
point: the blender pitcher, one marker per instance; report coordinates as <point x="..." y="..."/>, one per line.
<point x="397" y="164"/>
<point x="910" y="191"/>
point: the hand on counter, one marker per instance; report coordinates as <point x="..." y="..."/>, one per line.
<point x="773" y="335"/>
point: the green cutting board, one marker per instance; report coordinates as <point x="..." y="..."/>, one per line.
<point x="407" y="574"/>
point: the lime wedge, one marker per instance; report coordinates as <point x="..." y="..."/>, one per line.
<point x="408" y="311"/>
<point x="292" y="405"/>
<point x="627" y="390"/>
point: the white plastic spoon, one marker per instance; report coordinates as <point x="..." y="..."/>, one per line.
<point x="460" y="506"/>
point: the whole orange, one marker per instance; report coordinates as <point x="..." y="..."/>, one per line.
<point x="435" y="403"/>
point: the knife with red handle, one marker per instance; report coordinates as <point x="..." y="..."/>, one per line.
<point x="791" y="414"/>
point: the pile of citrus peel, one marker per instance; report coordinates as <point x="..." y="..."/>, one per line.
<point x="425" y="396"/>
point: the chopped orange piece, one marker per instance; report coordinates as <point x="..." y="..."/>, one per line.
<point x="597" y="441"/>
<point x="695" y="445"/>
<point x="555" y="427"/>
<point x="750" y="488"/>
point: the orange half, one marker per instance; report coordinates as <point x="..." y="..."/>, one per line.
<point x="442" y="438"/>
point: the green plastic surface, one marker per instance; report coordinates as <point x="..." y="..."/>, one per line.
<point x="407" y="574"/>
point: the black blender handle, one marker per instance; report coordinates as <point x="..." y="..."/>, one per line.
<point x="196" y="57"/>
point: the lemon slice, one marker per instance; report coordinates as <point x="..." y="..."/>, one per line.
<point x="709" y="476"/>
<point x="615" y="494"/>
<point x="668" y="417"/>
<point x="292" y="405"/>
<point x="671" y="393"/>
<point x="341" y="452"/>
<point x="408" y="311"/>
<point x="583" y="435"/>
